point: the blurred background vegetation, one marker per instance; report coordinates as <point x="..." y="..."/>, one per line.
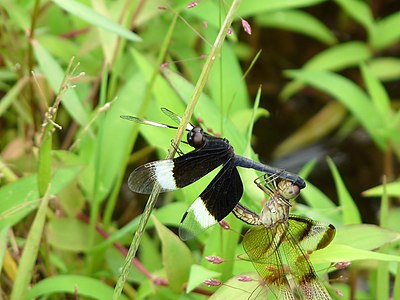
<point x="327" y="74"/>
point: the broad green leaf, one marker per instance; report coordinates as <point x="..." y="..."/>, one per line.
<point x="297" y="21"/>
<point x="359" y="11"/>
<point x="235" y="289"/>
<point x="387" y="32"/>
<point x="197" y="275"/>
<point x="55" y="75"/>
<point x="150" y="255"/>
<point x="385" y="68"/>
<point x="73" y="285"/>
<point x="86" y="13"/>
<point x="392" y="190"/>
<point x="351" y="215"/>
<point x="21" y="197"/>
<point x="378" y="94"/>
<point x="339" y="57"/>
<point x="349" y="94"/>
<point x="365" y="236"/>
<point x="177" y="258"/>
<point x="334" y="58"/>
<point x="74" y="239"/>
<point x="254" y="7"/>
<point x="338" y="252"/>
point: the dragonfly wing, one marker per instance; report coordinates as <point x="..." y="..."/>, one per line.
<point x="262" y="247"/>
<point x="179" y="172"/>
<point x="299" y="264"/>
<point x="174" y="117"/>
<point x="311" y="235"/>
<point x="214" y="203"/>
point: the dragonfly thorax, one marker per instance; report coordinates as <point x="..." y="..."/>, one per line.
<point x="275" y="211"/>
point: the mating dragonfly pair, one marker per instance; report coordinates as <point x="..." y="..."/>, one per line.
<point x="275" y="239"/>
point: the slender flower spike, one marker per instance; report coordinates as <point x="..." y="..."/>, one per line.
<point x="342" y="264"/>
<point x="216" y="260"/>
<point x="244" y="278"/>
<point x="224" y="224"/>
<point x="192" y="4"/>
<point x="212" y="282"/>
<point x="246" y="26"/>
<point x="339" y="293"/>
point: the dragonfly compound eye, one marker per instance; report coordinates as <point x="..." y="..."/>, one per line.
<point x="288" y="189"/>
<point x="196" y="138"/>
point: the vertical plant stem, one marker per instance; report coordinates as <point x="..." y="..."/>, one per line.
<point x="215" y="50"/>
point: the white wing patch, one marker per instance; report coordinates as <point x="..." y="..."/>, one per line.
<point x="165" y="176"/>
<point x="196" y="219"/>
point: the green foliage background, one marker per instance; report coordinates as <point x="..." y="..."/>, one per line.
<point x="65" y="223"/>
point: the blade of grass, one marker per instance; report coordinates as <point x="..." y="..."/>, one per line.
<point x="185" y="120"/>
<point x="86" y="13"/>
<point x="351" y="215"/>
<point x="29" y="255"/>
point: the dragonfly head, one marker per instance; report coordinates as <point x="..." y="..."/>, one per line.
<point x="195" y="137"/>
<point x="288" y="189"/>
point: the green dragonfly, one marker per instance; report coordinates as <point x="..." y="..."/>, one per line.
<point x="279" y="244"/>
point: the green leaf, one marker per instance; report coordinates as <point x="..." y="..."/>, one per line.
<point x="297" y="21"/>
<point x="351" y="215"/>
<point x="177" y="258"/>
<point x="74" y="239"/>
<point x="21" y="197"/>
<point x="378" y="94"/>
<point x="197" y="275"/>
<point x="334" y="58"/>
<point x="359" y="11"/>
<point x="365" y="236"/>
<point x="338" y="252"/>
<point x="387" y="32"/>
<point x="392" y="190"/>
<point x="235" y="289"/>
<point x="339" y="57"/>
<point x="90" y="16"/>
<point x="72" y="284"/>
<point x="349" y="94"/>
<point x="385" y="68"/>
<point x="55" y="75"/>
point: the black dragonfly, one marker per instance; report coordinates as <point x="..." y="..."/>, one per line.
<point x="279" y="244"/>
<point x="222" y="193"/>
